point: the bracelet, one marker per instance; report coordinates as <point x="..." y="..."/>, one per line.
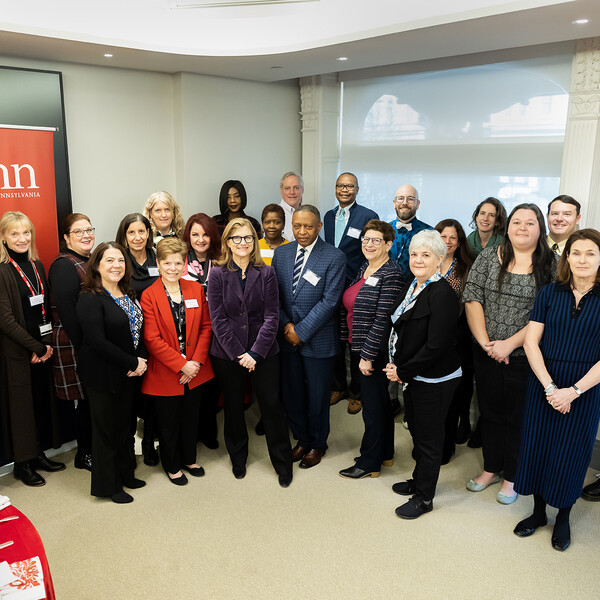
<point x="577" y="390"/>
<point x="551" y="388"/>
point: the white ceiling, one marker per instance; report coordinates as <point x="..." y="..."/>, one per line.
<point x="282" y="41"/>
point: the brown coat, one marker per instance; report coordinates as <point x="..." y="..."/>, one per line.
<point x="16" y="346"/>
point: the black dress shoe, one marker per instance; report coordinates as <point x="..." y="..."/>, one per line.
<point x="121" y="498"/>
<point x="524" y="530"/>
<point x="285" y="480"/>
<point x="43" y="463"/>
<point x="28" y="475"/>
<point x="560" y="544"/>
<point x="355" y="473"/>
<point x="83" y="461"/>
<point x="414" y="508"/>
<point x="591" y="492"/>
<point x="259" y="429"/>
<point x="405" y="488"/>
<point x="134" y="484"/>
<point x="150" y="454"/>
<point x="194" y="471"/>
<point x="181" y="480"/>
<point x="239" y="472"/>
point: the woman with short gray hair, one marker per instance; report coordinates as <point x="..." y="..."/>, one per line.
<point x="423" y="358"/>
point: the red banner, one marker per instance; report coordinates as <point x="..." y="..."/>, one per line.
<point x="27" y="184"/>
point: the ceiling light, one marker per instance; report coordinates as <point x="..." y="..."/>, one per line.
<point x="342" y="58"/>
<point x="108" y="56"/>
<point x="580" y="21"/>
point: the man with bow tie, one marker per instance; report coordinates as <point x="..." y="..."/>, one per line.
<point x="406" y="204"/>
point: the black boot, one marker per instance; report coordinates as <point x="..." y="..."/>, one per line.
<point x="28" y="475"/>
<point x="43" y="463"/>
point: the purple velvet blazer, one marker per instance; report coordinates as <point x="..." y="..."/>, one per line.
<point x="247" y="320"/>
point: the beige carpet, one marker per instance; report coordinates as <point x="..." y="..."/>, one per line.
<point x="322" y="538"/>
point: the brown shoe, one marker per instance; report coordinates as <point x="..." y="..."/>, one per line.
<point x="311" y="459"/>
<point x="354" y="406"/>
<point x="298" y="452"/>
<point x="336" y="397"/>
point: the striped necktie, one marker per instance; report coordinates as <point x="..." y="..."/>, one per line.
<point x="298" y="269"/>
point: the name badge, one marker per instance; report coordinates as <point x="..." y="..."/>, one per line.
<point x="354" y="233"/>
<point x="46" y="328"/>
<point x="268" y="253"/>
<point x="311" y="277"/>
<point x="36" y="300"/>
<point x="191" y="303"/>
<point x="153" y="271"/>
<point x="372" y="280"/>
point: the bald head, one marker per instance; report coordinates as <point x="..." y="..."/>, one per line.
<point x="406" y="202"/>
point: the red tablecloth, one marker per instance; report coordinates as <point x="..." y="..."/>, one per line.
<point x="27" y="544"/>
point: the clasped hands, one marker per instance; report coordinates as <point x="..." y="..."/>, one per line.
<point x="391" y="373"/>
<point x="560" y="399"/>
<point x="35" y="359"/>
<point x="141" y="368"/>
<point x="499" y="350"/>
<point x="246" y="361"/>
<point x="189" y="371"/>
<point x="290" y="335"/>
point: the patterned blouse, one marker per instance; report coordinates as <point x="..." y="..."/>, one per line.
<point x="507" y="311"/>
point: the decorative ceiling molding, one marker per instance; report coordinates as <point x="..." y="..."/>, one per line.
<point x="179" y="4"/>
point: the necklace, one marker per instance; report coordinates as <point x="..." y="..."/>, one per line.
<point x="582" y="292"/>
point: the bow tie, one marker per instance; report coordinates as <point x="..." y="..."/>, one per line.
<point x="407" y="226"/>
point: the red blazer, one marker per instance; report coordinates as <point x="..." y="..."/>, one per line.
<point x="160" y="337"/>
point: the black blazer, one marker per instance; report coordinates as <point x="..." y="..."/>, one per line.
<point x="107" y="351"/>
<point x="427" y="333"/>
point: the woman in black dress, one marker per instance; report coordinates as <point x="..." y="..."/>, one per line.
<point x="26" y="403"/>
<point x="135" y="235"/>
<point x="232" y="203"/>
<point x="203" y="240"/>
<point x="109" y="359"/>
<point x="562" y="343"/>
<point x="65" y="276"/>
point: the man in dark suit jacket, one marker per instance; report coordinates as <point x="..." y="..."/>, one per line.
<point x="343" y="226"/>
<point x="311" y="276"/>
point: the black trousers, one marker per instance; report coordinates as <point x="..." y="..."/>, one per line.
<point x="426" y="406"/>
<point x="378" y="440"/>
<point x="177" y="424"/>
<point x="209" y="400"/>
<point x="265" y="383"/>
<point x="501" y="391"/>
<point x="340" y="377"/>
<point x="111" y="418"/>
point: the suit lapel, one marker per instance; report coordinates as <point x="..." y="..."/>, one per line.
<point x="233" y="282"/>
<point x="166" y="314"/>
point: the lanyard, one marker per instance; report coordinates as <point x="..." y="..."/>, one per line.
<point x="39" y="291"/>
<point x="180" y="321"/>
<point x="450" y="269"/>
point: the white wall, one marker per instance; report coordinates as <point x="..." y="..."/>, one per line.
<point x="130" y="133"/>
<point x="232" y="129"/>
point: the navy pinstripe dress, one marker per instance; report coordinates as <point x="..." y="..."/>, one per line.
<point x="556" y="448"/>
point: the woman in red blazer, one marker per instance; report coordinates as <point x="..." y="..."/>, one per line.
<point x="177" y="336"/>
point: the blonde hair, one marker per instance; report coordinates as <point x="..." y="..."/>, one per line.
<point x="170" y="245"/>
<point x="12" y="218"/>
<point x="226" y="259"/>
<point x="177" y="224"/>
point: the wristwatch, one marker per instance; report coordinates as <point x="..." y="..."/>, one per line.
<point x="577" y="390"/>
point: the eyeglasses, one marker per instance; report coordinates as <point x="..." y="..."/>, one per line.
<point x="345" y="186"/>
<point x="403" y="199"/>
<point x="79" y="233"/>
<point x="237" y="239"/>
<point x="375" y="241"/>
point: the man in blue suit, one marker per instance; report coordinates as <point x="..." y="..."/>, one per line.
<point x="343" y="226"/>
<point x="311" y="275"/>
